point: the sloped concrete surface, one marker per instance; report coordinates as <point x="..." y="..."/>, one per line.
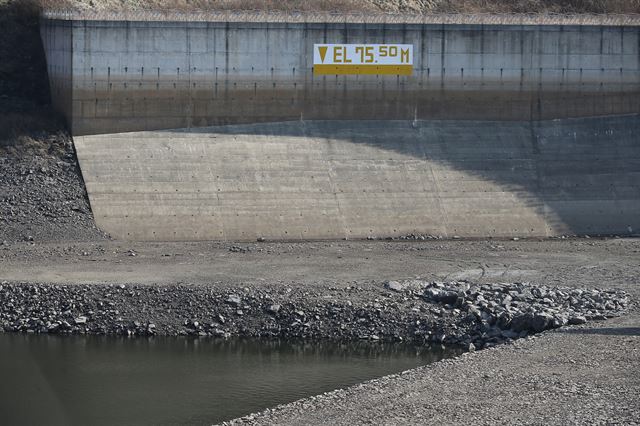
<point x="357" y="179"/>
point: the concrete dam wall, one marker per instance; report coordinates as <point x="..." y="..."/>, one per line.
<point x="146" y="75"/>
<point x="206" y="129"/>
<point x="355" y="179"/>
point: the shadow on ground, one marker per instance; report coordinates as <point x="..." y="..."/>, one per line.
<point x="608" y="331"/>
<point x="582" y="175"/>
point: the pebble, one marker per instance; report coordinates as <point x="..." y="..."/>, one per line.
<point x="452" y="313"/>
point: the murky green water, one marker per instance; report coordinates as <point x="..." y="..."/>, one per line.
<point x="98" y="380"/>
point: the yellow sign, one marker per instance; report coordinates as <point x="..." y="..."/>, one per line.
<point x="362" y="59"/>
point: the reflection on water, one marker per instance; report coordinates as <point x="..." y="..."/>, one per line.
<point x="107" y="380"/>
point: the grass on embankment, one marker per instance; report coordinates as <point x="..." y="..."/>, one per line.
<point x="419" y="6"/>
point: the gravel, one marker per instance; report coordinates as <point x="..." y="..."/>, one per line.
<point x="454" y="313"/>
<point x="570" y="376"/>
<point x="42" y="198"/>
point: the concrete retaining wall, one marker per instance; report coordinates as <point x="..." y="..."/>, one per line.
<point x="57" y="43"/>
<point x="134" y="75"/>
<point x="492" y="135"/>
<point x="335" y="179"/>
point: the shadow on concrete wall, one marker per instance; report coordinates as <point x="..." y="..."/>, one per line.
<point x="581" y="175"/>
<point x="25" y="102"/>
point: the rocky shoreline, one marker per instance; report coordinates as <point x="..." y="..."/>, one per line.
<point x="457" y="313"/>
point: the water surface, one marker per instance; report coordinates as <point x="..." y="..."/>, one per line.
<point x="161" y="381"/>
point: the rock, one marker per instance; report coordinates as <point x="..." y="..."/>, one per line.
<point x="576" y="320"/>
<point x="521" y="322"/>
<point x="273" y="309"/>
<point x="406" y="285"/>
<point x="220" y="333"/>
<point x="510" y="334"/>
<point x="481" y="316"/>
<point x="559" y="321"/>
<point x="234" y="299"/>
<point x="541" y="322"/>
<point x="442" y="296"/>
<point x="394" y="286"/>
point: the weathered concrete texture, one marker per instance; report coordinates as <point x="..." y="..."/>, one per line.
<point x="57" y="43"/>
<point x="130" y="76"/>
<point x="334" y="179"/>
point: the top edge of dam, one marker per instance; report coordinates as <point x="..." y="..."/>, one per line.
<point x="554" y="19"/>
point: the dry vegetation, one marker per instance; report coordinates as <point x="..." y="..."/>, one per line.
<point x="406" y="6"/>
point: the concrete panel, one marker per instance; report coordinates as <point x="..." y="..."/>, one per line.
<point x="243" y="72"/>
<point x="353" y="179"/>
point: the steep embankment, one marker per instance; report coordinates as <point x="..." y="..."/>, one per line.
<point x="42" y="195"/>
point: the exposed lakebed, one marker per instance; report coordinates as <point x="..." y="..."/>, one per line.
<point x="207" y="353"/>
<point x="167" y="380"/>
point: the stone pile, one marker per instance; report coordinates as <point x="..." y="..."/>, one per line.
<point x="508" y="311"/>
<point x="42" y="197"/>
<point x="457" y="313"/>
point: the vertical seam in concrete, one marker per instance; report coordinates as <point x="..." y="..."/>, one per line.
<point x="330" y="172"/>
<point x="72" y="29"/>
<point x="436" y="185"/>
<point x="482" y="54"/>
<point x="536" y="154"/>
<point x="190" y="116"/>
<point x="442" y="56"/>
<point x="305" y="47"/>
<point x="226" y="61"/>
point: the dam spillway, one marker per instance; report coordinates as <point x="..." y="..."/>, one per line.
<point x="500" y="129"/>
